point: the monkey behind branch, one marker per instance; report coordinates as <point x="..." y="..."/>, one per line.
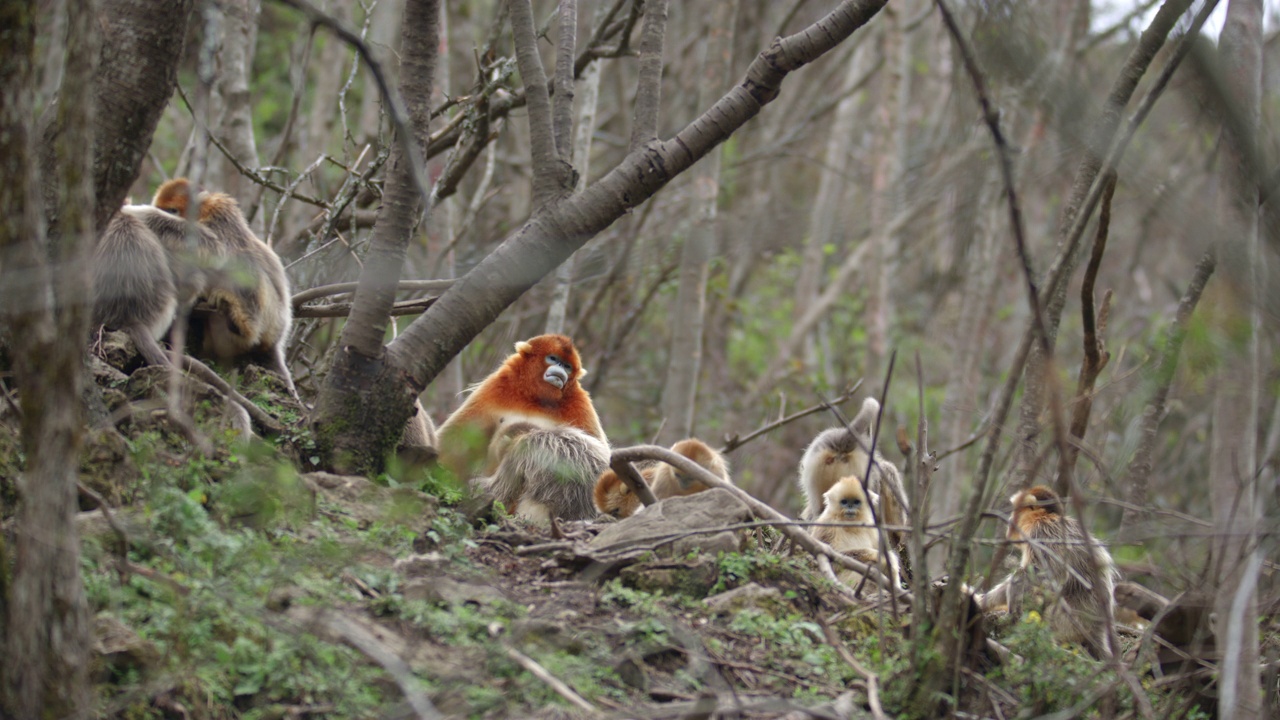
<point x="248" y="315"/>
<point x="840" y="452"/>
<point x="542" y="473"/>
<point x="1075" y="574"/>
<point x="614" y="497"/>
<point x="847" y="502"/>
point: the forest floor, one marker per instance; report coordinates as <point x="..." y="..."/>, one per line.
<point x="236" y="584"/>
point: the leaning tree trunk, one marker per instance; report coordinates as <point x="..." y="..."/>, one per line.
<point x="557" y="227"/>
<point x="684" y="361"/>
<point x="364" y="401"/>
<point x="1233" y="310"/>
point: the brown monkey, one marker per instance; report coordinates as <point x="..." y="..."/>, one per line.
<point x="1071" y="569"/>
<point x="614" y="497"/>
<point x="847" y="502"/>
<point x="146" y="271"/>
<point x="840" y="452"/>
<point x="539" y="384"/>
<point x="248" y="296"/>
<point x="541" y="473"/>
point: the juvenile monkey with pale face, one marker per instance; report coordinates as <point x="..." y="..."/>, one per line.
<point x="512" y="433"/>
<point x="1076" y="573"/>
<point x="841" y="452"/>
<point x="847" y="502"/>
<point x="614" y="497"/>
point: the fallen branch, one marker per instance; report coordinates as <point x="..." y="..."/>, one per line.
<point x="552" y="681"/>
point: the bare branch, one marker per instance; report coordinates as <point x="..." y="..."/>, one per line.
<point x="546" y="175"/>
<point x="644" y="127"/>
<point x="562" y="113"/>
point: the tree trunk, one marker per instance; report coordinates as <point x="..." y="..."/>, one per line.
<point x="359" y="420"/>
<point x="684" y="362"/>
<point x="1233" y="309"/>
<point x="555" y="230"/>
<point x="48" y="626"/>
<point x="1103" y="132"/>
<point x="234" y="126"/>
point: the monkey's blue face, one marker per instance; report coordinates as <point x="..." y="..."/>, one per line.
<point x="558" y="371"/>
<point x="851" y="505"/>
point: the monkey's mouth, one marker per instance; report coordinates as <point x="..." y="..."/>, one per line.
<point x="557" y="376"/>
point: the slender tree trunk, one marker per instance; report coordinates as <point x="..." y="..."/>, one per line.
<point x="884" y="188"/>
<point x="684" y="362"/>
<point x="827" y="219"/>
<point x="234" y="126"/>
<point x="1035" y="392"/>
<point x="353" y="404"/>
<point x="48" y="618"/>
<point x="1233" y="444"/>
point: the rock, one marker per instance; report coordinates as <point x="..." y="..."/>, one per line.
<point x="675" y="516"/>
<point x="749" y="596"/>
<point x="448" y="591"/>
<point x="118" y="648"/>
<point x="695" y="577"/>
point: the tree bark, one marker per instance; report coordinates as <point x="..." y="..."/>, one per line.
<point x="1234" y="311"/>
<point x="48" y="626"/>
<point x="235" y="117"/>
<point x="684" y="362"/>
<point x="351" y="401"/>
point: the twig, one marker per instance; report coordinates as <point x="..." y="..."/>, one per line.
<point x="343" y="309"/>
<point x="870" y="678"/>
<point x="395" y="106"/>
<point x="323" y="291"/>
<point x="364" y="641"/>
<point x="552" y="681"/>
<point x="733" y="442"/>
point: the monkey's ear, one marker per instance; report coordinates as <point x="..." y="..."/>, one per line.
<point x="523" y="347"/>
<point x="582" y="372"/>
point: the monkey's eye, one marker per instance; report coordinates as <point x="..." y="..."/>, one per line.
<point x="554" y="360"/>
<point x="171" y="210"/>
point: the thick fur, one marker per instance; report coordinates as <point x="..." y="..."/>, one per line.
<point x="540" y="473"/>
<point x="133" y="287"/>
<point x="519" y="391"/>
<point x="419" y="431"/>
<point x="847" y="502"/>
<point x="248" y="296"/>
<point x="838" y="453"/>
<point x="614" y="497"/>
<point x="1056" y="556"/>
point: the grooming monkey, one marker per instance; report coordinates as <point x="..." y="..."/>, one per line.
<point x="840" y="452"/>
<point x="538" y="384"/>
<point x="146" y="271"/>
<point x="846" y="502"/>
<point x="1057" y="556"/>
<point x="541" y="473"/>
<point x="248" y="294"/>
<point x="614" y="497"/>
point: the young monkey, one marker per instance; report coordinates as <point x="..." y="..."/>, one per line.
<point x="248" y="296"/>
<point x="840" y="452"/>
<point x="847" y="502"/>
<point x="614" y="497"/>
<point x="1071" y="568"/>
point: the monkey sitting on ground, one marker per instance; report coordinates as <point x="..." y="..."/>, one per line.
<point x="539" y="384"/>
<point x="541" y="473"/>
<point x="847" y="502"/>
<point x="145" y="273"/>
<point x="614" y="497"/>
<point x="1076" y="574"/>
<point x="249" y="314"/>
<point x="840" y="452"/>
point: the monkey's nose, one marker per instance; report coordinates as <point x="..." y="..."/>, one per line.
<point x="556" y="375"/>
